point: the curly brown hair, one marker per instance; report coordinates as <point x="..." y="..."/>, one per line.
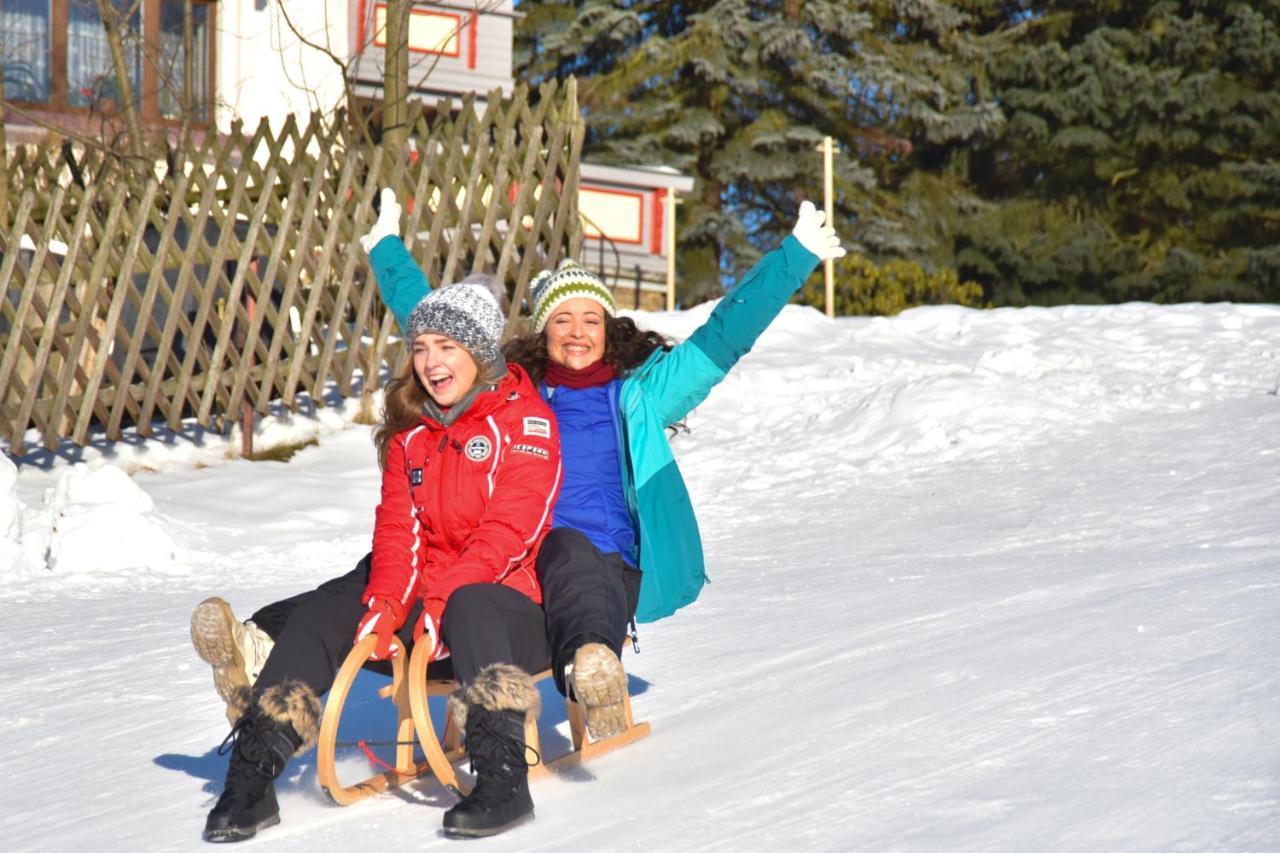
<point x="626" y="346"/>
<point x="405" y="398"/>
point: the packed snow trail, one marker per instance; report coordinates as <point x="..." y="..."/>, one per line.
<point x="997" y="580"/>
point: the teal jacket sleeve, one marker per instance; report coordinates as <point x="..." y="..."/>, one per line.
<point x="679" y="380"/>
<point x="401" y="283"/>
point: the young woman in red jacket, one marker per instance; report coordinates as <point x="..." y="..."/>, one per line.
<point x="470" y="458"/>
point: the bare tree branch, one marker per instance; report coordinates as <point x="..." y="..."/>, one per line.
<point x="124" y="87"/>
<point x="395" y="81"/>
<point x="188" y="80"/>
<point x="344" y="66"/>
<point x="83" y="139"/>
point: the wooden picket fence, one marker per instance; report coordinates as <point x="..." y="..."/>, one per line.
<point x="236" y="279"/>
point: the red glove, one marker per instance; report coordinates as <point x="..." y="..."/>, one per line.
<point x="429" y="626"/>
<point x="384" y="617"/>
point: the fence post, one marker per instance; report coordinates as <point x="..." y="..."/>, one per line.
<point x="246" y="408"/>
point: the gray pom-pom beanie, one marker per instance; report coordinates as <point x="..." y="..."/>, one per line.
<point x="468" y="312"/>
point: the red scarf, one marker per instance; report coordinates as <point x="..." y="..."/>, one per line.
<point x="597" y="373"/>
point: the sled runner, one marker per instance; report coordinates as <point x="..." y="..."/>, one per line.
<point x="410" y="691"/>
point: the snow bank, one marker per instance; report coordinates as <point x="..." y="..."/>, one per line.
<point x="91" y="539"/>
<point x="96" y="524"/>
<point x="1015" y="574"/>
<point x="10" y="515"/>
<point x="937" y="384"/>
<point x="104" y="523"/>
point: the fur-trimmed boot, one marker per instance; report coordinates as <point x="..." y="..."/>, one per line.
<point x="236" y="650"/>
<point x="597" y="680"/>
<point x="492" y="711"/>
<point x="284" y="722"/>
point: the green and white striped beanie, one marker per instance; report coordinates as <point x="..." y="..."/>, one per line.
<point x="570" y="281"/>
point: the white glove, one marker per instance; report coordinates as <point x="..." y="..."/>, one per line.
<point x="388" y="224"/>
<point x="819" y="239"/>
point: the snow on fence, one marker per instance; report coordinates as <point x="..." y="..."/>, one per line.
<point x="236" y="280"/>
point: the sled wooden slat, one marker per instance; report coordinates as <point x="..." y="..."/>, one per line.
<point x="585" y="749"/>
<point x="411" y="691"/>
<point x="405" y="767"/>
<point x="440" y="753"/>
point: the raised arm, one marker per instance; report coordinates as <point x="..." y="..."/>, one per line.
<point x="401" y="283"/>
<point x="682" y="378"/>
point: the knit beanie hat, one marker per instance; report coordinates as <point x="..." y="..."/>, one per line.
<point x="570" y="281"/>
<point x="468" y="312"/>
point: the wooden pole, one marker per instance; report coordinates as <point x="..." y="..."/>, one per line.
<point x="4" y="161"/>
<point x="828" y="200"/>
<point x="670" y="217"/>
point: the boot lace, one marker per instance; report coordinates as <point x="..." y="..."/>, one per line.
<point x="254" y="744"/>
<point x="247" y="778"/>
<point x="495" y="762"/>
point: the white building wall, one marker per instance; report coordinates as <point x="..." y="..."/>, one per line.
<point x="263" y="69"/>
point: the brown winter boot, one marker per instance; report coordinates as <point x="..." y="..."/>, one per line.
<point x="597" y="680"/>
<point x="236" y="650"/>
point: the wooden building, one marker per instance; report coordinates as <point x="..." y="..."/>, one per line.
<point x="254" y="59"/>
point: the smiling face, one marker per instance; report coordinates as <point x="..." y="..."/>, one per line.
<point x="444" y="368"/>
<point x="575" y="333"/>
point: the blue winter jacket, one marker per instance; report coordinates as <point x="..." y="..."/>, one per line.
<point x="593" y="496"/>
<point x="660" y="392"/>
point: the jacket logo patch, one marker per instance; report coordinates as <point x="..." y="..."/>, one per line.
<point x="540" y="427"/>
<point x="478" y="449"/>
<point x="415" y="477"/>
<point x="532" y="450"/>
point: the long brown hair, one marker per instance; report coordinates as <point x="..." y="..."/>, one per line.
<point x="405" y="398"/>
<point x="626" y="347"/>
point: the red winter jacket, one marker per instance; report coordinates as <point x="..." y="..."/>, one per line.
<point x="468" y="503"/>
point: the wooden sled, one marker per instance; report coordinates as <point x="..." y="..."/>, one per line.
<point x="410" y="691"/>
<point x="405" y="768"/>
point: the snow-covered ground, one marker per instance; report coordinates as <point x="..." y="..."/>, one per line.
<point x="1004" y="580"/>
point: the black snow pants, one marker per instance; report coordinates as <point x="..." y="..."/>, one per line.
<point x="483" y="624"/>
<point x="588" y="596"/>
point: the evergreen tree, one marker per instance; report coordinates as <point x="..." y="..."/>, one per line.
<point x="738" y="94"/>
<point x="1141" y="156"/>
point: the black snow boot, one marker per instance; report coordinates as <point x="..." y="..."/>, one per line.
<point x="492" y="711"/>
<point x="262" y="743"/>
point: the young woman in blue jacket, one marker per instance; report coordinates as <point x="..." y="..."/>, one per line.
<point x="624" y="544"/>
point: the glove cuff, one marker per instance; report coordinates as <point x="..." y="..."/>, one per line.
<point x="393" y="609"/>
<point x="373" y="238"/>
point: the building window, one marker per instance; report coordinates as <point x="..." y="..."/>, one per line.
<point x="24" y="47"/>
<point x="429" y="32"/>
<point x="171" y="61"/>
<point x="55" y="53"/>
<point x="91" y="78"/>
<point x="617" y="215"/>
